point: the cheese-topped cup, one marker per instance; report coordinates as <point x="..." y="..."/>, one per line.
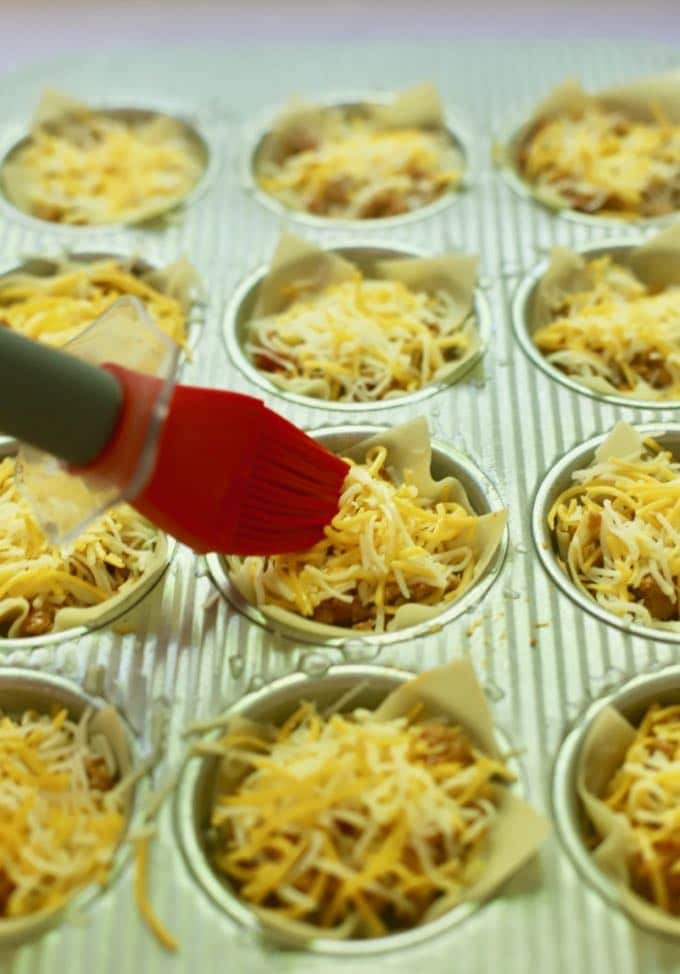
<point x="405" y="553"/>
<point x="83" y="166"/>
<point x="358" y="160"/>
<point x="614" y="154"/>
<point x="354" y="325"/>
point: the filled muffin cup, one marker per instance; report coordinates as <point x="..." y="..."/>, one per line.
<point x="56" y="111"/>
<point x="91" y="618"/>
<point x="410" y="444"/>
<point x="29" y="690"/>
<point x="598" y="840"/>
<point x="654" y="261"/>
<point x="418" y="107"/>
<point x="640" y="100"/>
<point x="558" y="479"/>
<point x="451" y="692"/>
<point x="256" y="296"/>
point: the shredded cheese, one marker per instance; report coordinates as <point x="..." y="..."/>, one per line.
<point x="604" y="162"/>
<point x="360" y="340"/>
<point x="618" y="533"/>
<point x="57" y="307"/>
<point x="94" y="167"/>
<point x="351" y="168"/>
<point x="386" y="546"/>
<point x="646" y="790"/>
<point x="349" y="822"/>
<point x="37" y="580"/>
<point x="60" y="816"/>
<point x="618" y="335"/>
<point x="141" y="886"/>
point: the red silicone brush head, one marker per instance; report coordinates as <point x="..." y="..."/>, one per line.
<point x="229" y="474"/>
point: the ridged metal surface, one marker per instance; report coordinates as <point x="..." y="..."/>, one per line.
<point x="540" y="657"/>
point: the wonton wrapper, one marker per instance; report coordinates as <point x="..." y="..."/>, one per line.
<point x="408" y="448"/>
<point x="59" y="111"/>
<point x="416" y="107"/>
<point x="107" y="734"/>
<point x="451" y="691"/>
<point x="634" y="98"/>
<point x="655" y="263"/>
<point x="603" y="753"/>
<point x="297" y="262"/>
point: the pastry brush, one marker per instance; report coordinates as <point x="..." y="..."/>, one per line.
<point x="216" y="469"/>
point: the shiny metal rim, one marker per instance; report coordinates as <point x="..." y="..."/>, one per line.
<point x="199" y="131"/>
<point x="255" y="133"/>
<point x="556" y="480"/>
<point x="566" y="808"/>
<point x="271" y="702"/>
<point x="521" y="302"/>
<point x="446" y="460"/>
<point x="234" y="323"/>
<point x="8" y="447"/>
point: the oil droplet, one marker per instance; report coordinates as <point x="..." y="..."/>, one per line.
<point x="314" y="664"/>
<point x="359" y="650"/>
<point x="256" y="683"/>
<point x="236" y="665"/>
<point x="493" y="692"/>
<point x="480" y="383"/>
<point x="521" y="548"/>
<point x="510" y="593"/>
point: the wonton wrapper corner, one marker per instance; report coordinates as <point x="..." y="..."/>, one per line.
<point x="107" y="723"/>
<point x="450" y="692"/>
<point x="656" y="263"/>
<point x="408" y="448"/>
<point x="297" y="260"/>
<point x="633" y="98"/>
<point x="602" y="754"/>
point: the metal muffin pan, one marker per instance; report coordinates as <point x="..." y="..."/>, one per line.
<point x="15" y="137"/>
<point x="574" y="828"/>
<point x="255" y="134"/>
<point x="446" y="461"/>
<point x="8" y="448"/>
<point x="557" y="479"/>
<point x="521" y="310"/>
<point x="21" y="690"/>
<point x="509" y="168"/>
<point x="43" y="265"/>
<point x="239" y="312"/>
<point x="273" y="704"/>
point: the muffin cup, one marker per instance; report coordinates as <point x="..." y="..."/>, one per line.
<point x="21" y="690"/>
<point x="558" y="479"/>
<point x="241" y="307"/>
<point x="451" y="691"/>
<point x="570" y="773"/>
<point x="446" y="461"/>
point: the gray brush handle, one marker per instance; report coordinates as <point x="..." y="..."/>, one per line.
<point x="54" y="401"/>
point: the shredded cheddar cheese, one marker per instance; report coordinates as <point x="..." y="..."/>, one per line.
<point x="37" y="580"/>
<point x="604" y="162"/>
<point x="386" y="546"/>
<point x="353" y="169"/>
<point x="55" y="308"/>
<point x="646" y="790"/>
<point x="61" y="811"/>
<point x="618" y="533"/>
<point x="93" y="167"/>
<point x="618" y="335"/>
<point x="360" y="340"/>
<point x="351" y="823"/>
